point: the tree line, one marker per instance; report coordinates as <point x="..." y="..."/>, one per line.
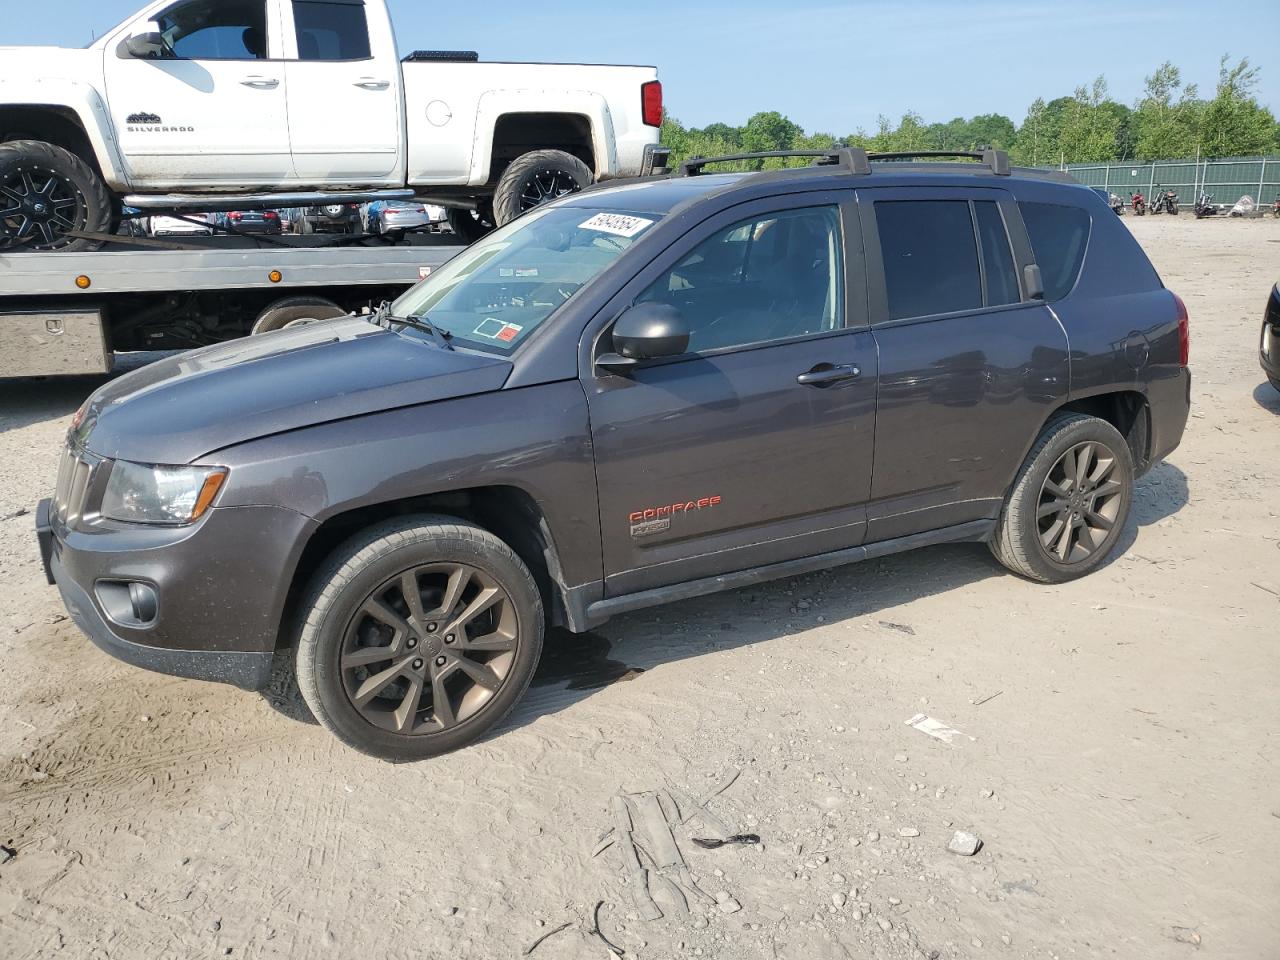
<point x="1170" y="120"/>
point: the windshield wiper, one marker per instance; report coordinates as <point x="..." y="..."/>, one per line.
<point x="383" y="317"/>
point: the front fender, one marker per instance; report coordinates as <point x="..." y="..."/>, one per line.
<point x="494" y="104"/>
<point x="88" y="107"/>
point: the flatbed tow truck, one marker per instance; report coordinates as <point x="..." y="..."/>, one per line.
<point x="77" y="313"/>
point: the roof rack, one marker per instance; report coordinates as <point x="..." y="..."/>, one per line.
<point x="997" y="160"/>
<point x="852" y="159"/>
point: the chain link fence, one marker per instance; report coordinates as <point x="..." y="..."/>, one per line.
<point x="1225" y="180"/>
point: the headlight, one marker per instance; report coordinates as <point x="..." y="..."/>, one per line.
<point x="141" y="493"/>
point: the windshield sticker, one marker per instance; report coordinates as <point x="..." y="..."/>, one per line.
<point x="618" y="224"/>
<point x="526" y="271"/>
<point x="491" y="328"/>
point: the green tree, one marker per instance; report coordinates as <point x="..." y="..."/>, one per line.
<point x="1162" y="125"/>
<point x="1091" y="127"/>
<point x="1233" y="123"/>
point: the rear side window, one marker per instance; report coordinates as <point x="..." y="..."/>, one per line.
<point x="331" y="30"/>
<point x="1059" y="236"/>
<point x="930" y="257"/>
<point x="997" y="255"/>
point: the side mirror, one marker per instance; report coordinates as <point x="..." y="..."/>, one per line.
<point x="646" y="331"/>
<point x="1033" y="281"/>
<point x="147" y="42"/>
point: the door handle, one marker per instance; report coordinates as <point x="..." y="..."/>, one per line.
<point x="260" y="83"/>
<point x="825" y="374"/>
<point x="368" y="83"/>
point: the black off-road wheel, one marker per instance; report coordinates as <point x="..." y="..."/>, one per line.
<point x="419" y="637"/>
<point x="294" y="312"/>
<point x="537" y="178"/>
<point x="1069" y="501"/>
<point x="46" y="192"/>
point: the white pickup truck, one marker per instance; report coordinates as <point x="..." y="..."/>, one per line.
<point x="235" y="104"/>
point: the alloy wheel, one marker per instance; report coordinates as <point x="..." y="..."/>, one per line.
<point x="1080" y="501"/>
<point x="38" y="207"/>
<point x="429" y="648"/>
<point x="546" y="186"/>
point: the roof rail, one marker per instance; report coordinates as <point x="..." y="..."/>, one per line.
<point x="997" y="160"/>
<point x="852" y="159"/>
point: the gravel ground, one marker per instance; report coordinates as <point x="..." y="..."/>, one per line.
<point x="1118" y="757"/>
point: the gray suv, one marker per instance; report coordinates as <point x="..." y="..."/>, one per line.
<point x="646" y="391"/>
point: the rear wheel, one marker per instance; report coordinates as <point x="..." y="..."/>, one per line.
<point x="470" y="225"/>
<point x="420" y="636"/>
<point x="1275" y="381"/>
<point x="294" y="312"/>
<point x="1069" y="502"/>
<point x="46" y="192"/>
<point x="537" y="178"/>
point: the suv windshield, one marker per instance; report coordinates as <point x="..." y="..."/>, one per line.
<point x="499" y="290"/>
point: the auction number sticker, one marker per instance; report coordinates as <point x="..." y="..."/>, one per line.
<point x="618" y="224"/>
<point x="491" y="328"/>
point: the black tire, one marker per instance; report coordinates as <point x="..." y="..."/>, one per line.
<point x="1021" y="529"/>
<point x="1274" y="381"/>
<point x="469" y="225"/>
<point x="292" y="310"/>
<point x="537" y="178"/>
<point x="77" y="198"/>
<point x="335" y="611"/>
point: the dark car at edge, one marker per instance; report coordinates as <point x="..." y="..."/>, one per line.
<point x="646" y="391"/>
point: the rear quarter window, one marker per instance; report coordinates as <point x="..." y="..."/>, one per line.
<point x="1059" y="235"/>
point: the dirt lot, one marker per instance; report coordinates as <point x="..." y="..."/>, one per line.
<point x="1120" y="758"/>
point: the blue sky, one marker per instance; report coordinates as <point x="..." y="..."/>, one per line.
<point x="829" y="66"/>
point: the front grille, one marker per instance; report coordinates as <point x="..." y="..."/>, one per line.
<point x="75" y="471"/>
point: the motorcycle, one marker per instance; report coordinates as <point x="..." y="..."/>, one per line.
<point x="1205" y="207"/>
<point x="1117" y="205"/>
<point x="1166" y="201"/>
<point x="1275" y="208"/>
<point x="1139" y="203"/>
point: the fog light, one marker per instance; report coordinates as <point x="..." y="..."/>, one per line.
<point x="130" y="603"/>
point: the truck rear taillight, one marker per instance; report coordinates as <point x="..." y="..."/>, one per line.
<point x="651" y="103"/>
<point x="1184" y="332"/>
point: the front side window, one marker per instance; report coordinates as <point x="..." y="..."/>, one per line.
<point x="329" y="30"/>
<point x="1058" y="238"/>
<point x="216" y="30"/>
<point x="769" y="278"/>
<point x="500" y="289"/>
<point x="930" y="257"/>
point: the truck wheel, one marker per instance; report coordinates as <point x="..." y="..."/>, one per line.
<point x="297" y="311"/>
<point x="469" y="225"/>
<point x="419" y="637"/>
<point x="1069" y="502"/>
<point x="46" y="191"/>
<point x="537" y="178"/>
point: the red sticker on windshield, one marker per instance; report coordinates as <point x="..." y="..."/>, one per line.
<point x="509" y="332"/>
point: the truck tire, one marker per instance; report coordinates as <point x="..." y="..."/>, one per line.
<point x="469" y="225"/>
<point x="537" y="178"/>
<point x="299" y="310"/>
<point x="458" y="616"/>
<point x="1069" y="502"/>
<point x="46" y="191"/>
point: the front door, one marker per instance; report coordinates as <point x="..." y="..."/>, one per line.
<point x="755" y="447"/>
<point x="344" y="94"/>
<point x="970" y="365"/>
<point x="210" y="110"/>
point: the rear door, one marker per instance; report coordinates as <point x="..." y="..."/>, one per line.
<point x="970" y="366"/>
<point x="725" y="458"/>
<point x="211" y="111"/>
<point x="345" y="107"/>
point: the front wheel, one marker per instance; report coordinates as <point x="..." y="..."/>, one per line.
<point x="537" y="178"/>
<point x="1069" y="502"/>
<point x="47" y="193"/>
<point x="420" y="636"/>
<point x="1275" y="381"/>
<point x="295" y="312"/>
<point x="470" y="225"/>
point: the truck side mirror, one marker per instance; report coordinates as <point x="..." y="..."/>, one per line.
<point x="1033" y="281"/>
<point x="147" y="42"/>
<point x="646" y="331"/>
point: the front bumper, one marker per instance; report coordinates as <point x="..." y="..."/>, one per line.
<point x="221" y="587"/>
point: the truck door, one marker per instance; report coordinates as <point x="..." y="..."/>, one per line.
<point x="210" y="108"/>
<point x="345" y="106"/>
<point x="755" y="446"/>
<point x="970" y="364"/>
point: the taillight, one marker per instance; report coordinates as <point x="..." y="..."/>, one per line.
<point x="651" y="103"/>
<point x="271" y="215"/>
<point x="1184" y="332"/>
<point x="236" y="216"/>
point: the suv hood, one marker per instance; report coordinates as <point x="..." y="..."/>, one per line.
<point x="186" y="406"/>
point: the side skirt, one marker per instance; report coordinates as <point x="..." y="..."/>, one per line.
<point x="591" y="613"/>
